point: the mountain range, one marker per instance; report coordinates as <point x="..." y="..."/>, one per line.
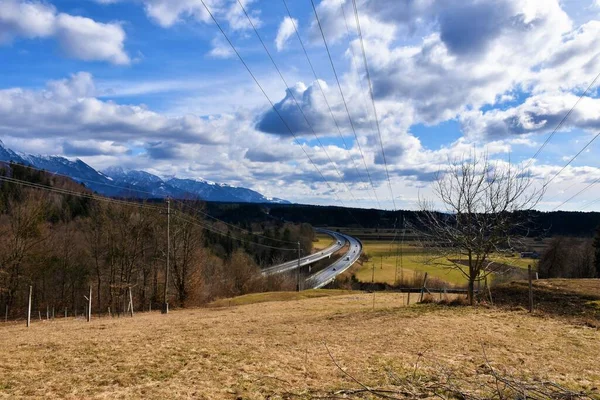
<point x="117" y="182"/>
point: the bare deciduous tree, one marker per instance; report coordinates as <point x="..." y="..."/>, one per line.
<point x="478" y="213"/>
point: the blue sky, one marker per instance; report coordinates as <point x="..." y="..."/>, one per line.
<point x="153" y="85"/>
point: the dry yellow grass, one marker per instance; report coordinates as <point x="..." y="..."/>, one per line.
<point x="268" y="350"/>
<point x="322" y="242"/>
<point x="254" y="298"/>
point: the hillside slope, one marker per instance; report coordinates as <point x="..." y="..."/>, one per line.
<point x="277" y="350"/>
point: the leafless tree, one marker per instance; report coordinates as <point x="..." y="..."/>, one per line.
<point x="480" y="211"/>
<point x="187" y="257"/>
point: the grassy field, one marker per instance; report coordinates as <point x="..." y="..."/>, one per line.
<point x="322" y="241"/>
<point x="255" y="298"/>
<point x="415" y="259"/>
<point x="277" y="350"/>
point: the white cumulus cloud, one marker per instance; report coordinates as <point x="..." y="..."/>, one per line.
<point x="79" y="37"/>
<point x="285" y="31"/>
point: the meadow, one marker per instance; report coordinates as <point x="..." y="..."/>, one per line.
<point x="286" y="347"/>
<point x="388" y="262"/>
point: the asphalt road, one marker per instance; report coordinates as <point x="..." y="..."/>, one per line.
<point x="339" y="242"/>
<point x="328" y="275"/>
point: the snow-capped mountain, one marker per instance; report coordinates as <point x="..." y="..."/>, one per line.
<point x="210" y="190"/>
<point x="117" y="182"/>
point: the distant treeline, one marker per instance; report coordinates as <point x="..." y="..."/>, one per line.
<point x="542" y="224"/>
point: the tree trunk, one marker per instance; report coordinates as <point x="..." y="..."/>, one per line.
<point x="471" y="293"/>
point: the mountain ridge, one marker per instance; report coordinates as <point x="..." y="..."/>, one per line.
<point x="118" y="182"/>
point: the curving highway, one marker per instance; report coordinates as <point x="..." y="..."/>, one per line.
<point x="328" y="275"/>
<point x="339" y="242"/>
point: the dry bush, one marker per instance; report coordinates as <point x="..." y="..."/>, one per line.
<point x="430" y="378"/>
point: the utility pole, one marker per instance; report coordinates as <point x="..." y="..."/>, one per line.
<point x="298" y="270"/>
<point x="401" y="254"/>
<point x="165" y="309"/>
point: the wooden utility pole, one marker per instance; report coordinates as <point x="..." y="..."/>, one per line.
<point x="298" y="270"/>
<point x="29" y="307"/>
<point x="165" y="309"/>
<point x="401" y="251"/>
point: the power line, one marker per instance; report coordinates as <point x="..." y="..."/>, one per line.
<point x="360" y="82"/>
<point x="341" y="136"/>
<point x="577" y="194"/>
<point x="75" y="193"/>
<point x="344" y="100"/>
<point x="591" y="203"/>
<point x="562" y="121"/>
<point x="275" y="109"/>
<point x="362" y="45"/>
<point x="566" y="165"/>
<point x="152" y="194"/>
<point x="294" y="98"/>
<point x="573" y="158"/>
<point x="129" y="203"/>
<point x="211" y="229"/>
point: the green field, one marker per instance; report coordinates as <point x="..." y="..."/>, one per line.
<point x="383" y="264"/>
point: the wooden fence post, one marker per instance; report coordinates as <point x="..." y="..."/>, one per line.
<point x="6" y="314"/>
<point x="408" y="298"/>
<point x="530" y="289"/>
<point x="423" y="288"/>
<point x="29" y="307"/>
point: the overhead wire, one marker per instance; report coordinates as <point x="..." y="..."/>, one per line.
<point x="130" y="189"/>
<point x="341" y="136"/>
<point x="290" y="91"/>
<point x="577" y="194"/>
<point x="344" y="101"/>
<point x="211" y="229"/>
<point x="130" y="203"/>
<point x="76" y="194"/>
<point x="573" y="158"/>
<point x="362" y="45"/>
<point x="563" y="120"/>
<point x="275" y="108"/>
<point x="566" y="165"/>
<point x="354" y="64"/>
<point x="591" y="203"/>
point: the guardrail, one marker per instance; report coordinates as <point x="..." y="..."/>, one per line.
<point x="309" y="259"/>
